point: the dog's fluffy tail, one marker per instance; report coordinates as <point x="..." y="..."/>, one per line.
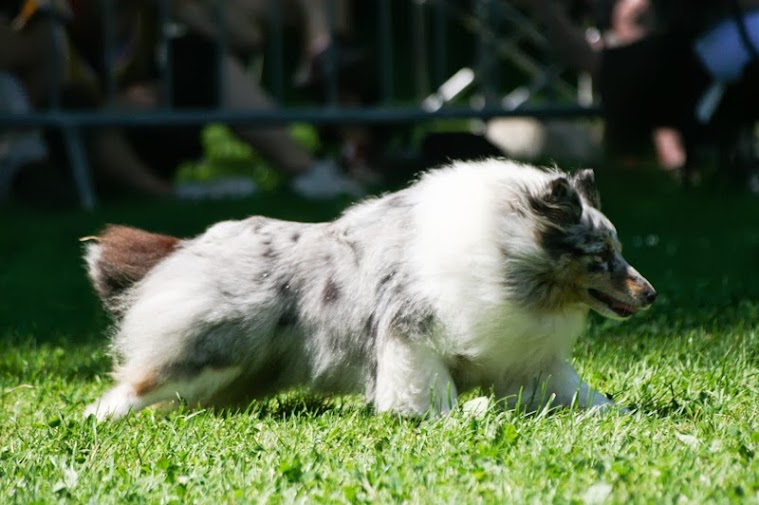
<point x="119" y="257"/>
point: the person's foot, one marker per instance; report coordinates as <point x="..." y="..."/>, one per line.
<point x="217" y="189"/>
<point x="324" y="181"/>
<point x="669" y="148"/>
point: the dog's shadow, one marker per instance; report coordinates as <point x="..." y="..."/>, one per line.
<point x="295" y="405"/>
<point x="671" y="409"/>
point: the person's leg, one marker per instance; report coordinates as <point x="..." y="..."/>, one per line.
<point x="319" y="17"/>
<point x="567" y="38"/>
<point x="311" y="178"/>
<point x="647" y="97"/>
<point x="242" y="92"/>
<point x="119" y="168"/>
<point x="328" y="26"/>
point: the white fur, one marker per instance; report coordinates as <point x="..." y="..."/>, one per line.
<point x="420" y="311"/>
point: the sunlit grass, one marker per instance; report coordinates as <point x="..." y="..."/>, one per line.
<point x="688" y="368"/>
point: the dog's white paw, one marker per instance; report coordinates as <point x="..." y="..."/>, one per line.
<point x="102" y="412"/>
<point x="477" y="407"/>
<point x="609" y="407"/>
<point x="93" y="409"/>
<point x="116" y="403"/>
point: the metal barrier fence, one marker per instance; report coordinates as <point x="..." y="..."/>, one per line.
<point x="504" y="38"/>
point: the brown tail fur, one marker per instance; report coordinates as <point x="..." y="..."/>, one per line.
<point x="121" y="256"/>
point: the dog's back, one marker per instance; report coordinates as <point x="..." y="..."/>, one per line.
<point x="120" y="257"/>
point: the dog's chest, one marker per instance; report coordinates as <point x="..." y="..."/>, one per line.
<point x="507" y="338"/>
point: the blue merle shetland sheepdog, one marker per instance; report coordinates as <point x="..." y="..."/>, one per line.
<point x="480" y="274"/>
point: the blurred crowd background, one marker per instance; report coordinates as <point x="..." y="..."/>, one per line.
<point x="207" y="99"/>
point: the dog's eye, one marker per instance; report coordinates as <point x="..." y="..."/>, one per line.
<point x="601" y="262"/>
<point x="596" y="264"/>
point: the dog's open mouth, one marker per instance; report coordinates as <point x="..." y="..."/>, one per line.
<point x="619" y="308"/>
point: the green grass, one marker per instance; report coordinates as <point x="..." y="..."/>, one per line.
<point x="689" y="367"/>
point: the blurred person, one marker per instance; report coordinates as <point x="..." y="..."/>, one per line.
<point x="35" y="48"/>
<point x="21" y="149"/>
<point x="724" y="35"/>
<point x="28" y="31"/>
<point x="651" y="77"/>
<point x="195" y="66"/>
<point x="620" y="48"/>
<point x="25" y="70"/>
<point x="330" y="52"/>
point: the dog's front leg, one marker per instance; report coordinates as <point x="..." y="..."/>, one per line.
<point x="557" y="386"/>
<point x="569" y="389"/>
<point x="412" y="379"/>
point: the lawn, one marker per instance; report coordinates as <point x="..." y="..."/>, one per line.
<point x="689" y="369"/>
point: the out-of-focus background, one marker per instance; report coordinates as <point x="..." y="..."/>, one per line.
<point x="203" y="99"/>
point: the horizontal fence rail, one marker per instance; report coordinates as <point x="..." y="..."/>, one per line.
<point x="287" y="115"/>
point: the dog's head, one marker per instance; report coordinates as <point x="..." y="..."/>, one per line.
<point x="584" y="250"/>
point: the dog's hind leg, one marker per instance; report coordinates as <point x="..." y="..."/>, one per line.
<point x="115" y="403"/>
<point x="131" y="396"/>
<point x="412" y="379"/>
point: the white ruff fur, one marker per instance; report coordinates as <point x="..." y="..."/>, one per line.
<point x="402" y="298"/>
<point x="460" y="265"/>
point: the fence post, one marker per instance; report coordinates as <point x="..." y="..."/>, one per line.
<point x="77" y="154"/>
<point x="276" y="50"/>
<point x="386" y="50"/>
<point x="220" y="12"/>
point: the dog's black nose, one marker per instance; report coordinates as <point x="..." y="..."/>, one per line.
<point x="650" y="296"/>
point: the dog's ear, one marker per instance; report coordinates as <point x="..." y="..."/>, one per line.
<point x="559" y="203"/>
<point x="584" y="182"/>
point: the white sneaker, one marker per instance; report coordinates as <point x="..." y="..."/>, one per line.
<point x="324" y="181"/>
<point x="216" y="189"/>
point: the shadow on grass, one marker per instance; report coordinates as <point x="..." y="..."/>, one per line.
<point x="70" y="362"/>
<point x="294" y="404"/>
<point x="673" y="409"/>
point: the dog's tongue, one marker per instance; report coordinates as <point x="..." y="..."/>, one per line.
<point x="622" y="308"/>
